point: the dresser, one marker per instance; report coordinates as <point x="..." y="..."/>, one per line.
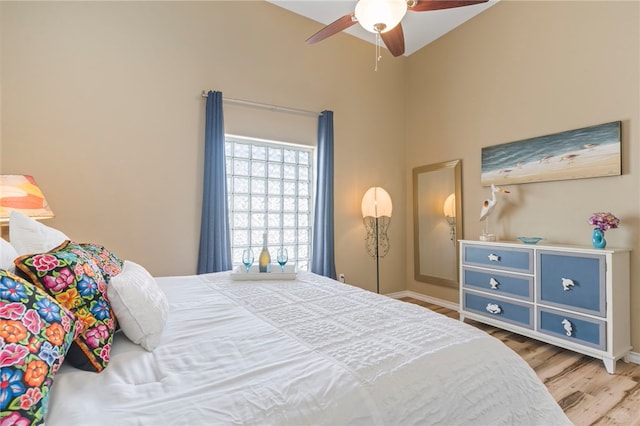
<point x="570" y="296"/>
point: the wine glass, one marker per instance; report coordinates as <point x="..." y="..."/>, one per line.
<point x="282" y="257"/>
<point x="247" y="258"/>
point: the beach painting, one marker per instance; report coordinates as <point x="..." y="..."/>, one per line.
<point x="574" y="154"/>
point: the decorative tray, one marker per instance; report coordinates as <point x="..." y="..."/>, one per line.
<point x="530" y="240"/>
<point x="240" y="273"/>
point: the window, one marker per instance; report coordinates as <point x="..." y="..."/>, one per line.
<point x="269" y="185"/>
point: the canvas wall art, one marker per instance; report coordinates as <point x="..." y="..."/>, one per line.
<point x="574" y="154"/>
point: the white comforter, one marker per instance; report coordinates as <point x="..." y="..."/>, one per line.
<point x="306" y="352"/>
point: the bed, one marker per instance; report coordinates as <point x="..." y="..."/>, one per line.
<point x="90" y="339"/>
<point x="302" y="352"/>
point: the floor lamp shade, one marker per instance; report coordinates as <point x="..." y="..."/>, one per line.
<point x="21" y="193"/>
<point x="449" y="207"/>
<point x="376" y="203"/>
<point x="449" y="210"/>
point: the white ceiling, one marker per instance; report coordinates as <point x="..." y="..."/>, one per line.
<point x="420" y="28"/>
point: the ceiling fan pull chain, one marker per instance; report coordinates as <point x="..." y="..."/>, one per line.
<point x="378" y="55"/>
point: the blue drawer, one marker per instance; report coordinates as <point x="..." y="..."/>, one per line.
<point x="505" y="258"/>
<point x="573" y="281"/>
<point x="512" y="312"/>
<point x="520" y="286"/>
<point x="573" y="328"/>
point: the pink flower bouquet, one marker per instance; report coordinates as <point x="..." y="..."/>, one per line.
<point x="604" y="221"/>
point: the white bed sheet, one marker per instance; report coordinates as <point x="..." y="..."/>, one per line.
<point x="306" y="352"/>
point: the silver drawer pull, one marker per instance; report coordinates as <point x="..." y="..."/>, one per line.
<point x="493" y="308"/>
<point x="493" y="257"/>
<point x="494" y="284"/>
<point x="567" y="284"/>
<point x="568" y="327"/>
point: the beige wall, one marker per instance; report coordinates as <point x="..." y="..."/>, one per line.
<point x="101" y="103"/>
<point x="526" y="69"/>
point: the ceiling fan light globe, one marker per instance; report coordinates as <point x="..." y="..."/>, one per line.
<point x="376" y="14"/>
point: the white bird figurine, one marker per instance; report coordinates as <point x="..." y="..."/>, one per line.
<point x="488" y="205"/>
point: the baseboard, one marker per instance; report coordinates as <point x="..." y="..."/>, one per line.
<point x="633" y="357"/>
<point x="424" y="298"/>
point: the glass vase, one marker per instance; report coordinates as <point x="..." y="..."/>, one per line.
<point x="597" y="238"/>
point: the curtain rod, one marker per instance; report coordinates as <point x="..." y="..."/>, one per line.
<point x="267" y="106"/>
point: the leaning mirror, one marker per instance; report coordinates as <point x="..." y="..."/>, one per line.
<point x="437" y="222"/>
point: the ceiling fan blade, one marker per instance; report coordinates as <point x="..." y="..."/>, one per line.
<point x="427" y="5"/>
<point x="394" y="40"/>
<point x="333" y="28"/>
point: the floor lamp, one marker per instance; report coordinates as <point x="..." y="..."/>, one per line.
<point x="376" y="215"/>
<point x="449" y="210"/>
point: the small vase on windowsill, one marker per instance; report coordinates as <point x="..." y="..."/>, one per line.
<point x="597" y="238"/>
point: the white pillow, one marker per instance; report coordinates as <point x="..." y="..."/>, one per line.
<point x="7" y="254"/>
<point x="29" y="236"/>
<point x="139" y="304"/>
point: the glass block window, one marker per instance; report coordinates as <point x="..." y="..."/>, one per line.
<point x="269" y="185"/>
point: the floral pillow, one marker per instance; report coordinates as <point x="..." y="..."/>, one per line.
<point x="35" y="335"/>
<point x="107" y="261"/>
<point x="69" y="274"/>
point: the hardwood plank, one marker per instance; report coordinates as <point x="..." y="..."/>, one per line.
<point x="586" y="394"/>
<point x="580" y="384"/>
<point x="625" y="412"/>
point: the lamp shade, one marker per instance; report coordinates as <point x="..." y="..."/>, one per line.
<point x="20" y="192"/>
<point x="380" y="16"/>
<point x="449" y="207"/>
<point x="376" y="203"/>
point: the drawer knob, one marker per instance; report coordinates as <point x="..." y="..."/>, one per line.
<point x="493" y="257"/>
<point x="568" y="327"/>
<point x="494" y="284"/>
<point x="567" y="284"/>
<point x="493" y="308"/>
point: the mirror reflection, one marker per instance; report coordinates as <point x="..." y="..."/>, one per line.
<point x="437" y="222"/>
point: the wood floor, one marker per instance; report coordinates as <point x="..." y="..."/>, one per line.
<point x="580" y="384"/>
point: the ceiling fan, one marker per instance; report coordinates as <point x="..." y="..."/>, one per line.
<point x="383" y="17"/>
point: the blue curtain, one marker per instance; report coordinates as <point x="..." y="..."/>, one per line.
<point x="215" y="237"/>
<point x="322" y="250"/>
